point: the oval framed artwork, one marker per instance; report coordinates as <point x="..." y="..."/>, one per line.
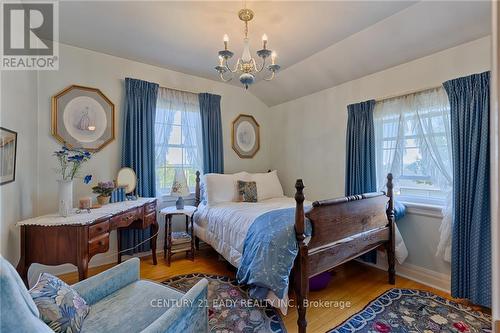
<point x="245" y="136"/>
<point x="83" y="117"/>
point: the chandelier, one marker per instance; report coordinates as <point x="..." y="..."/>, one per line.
<point x="246" y="65"/>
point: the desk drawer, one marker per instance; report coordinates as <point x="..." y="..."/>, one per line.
<point x="125" y="219"/>
<point x="149" y="219"/>
<point x="99" y="245"/>
<point x="98" y="229"/>
<point x="149" y="208"/>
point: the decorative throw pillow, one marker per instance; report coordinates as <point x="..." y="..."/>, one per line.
<point x="247" y="191"/>
<point x="60" y="306"/>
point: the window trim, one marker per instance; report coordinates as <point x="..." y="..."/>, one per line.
<point x="166" y="198"/>
<point x="423" y="209"/>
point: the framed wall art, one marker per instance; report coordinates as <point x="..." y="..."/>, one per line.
<point x="83" y="117"/>
<point x="8" y="149"/>
<point x="245" y="136"/>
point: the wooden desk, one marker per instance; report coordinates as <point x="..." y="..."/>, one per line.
<point x="54" y="240"/>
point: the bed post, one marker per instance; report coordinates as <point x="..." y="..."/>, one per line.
<point x="391" y="256"/>
<point x="301" y="276"/>
<point x="197" y="190"/>
<point x="197" y="200"/>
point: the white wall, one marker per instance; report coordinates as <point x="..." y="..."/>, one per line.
<point x="27" y="104"/>
<point x="88" y="68"/>
<point x="309" y="133"/>
<point x="18" y="113"/>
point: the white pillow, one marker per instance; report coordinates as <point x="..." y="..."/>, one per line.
<point x="268" y="185"/>
<point x="223" y="187"/>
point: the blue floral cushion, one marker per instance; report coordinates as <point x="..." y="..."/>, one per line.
<point x="247" y="191"/>
<point x="60" y="306"/>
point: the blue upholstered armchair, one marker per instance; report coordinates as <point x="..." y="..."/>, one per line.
<point x="119" y="302"/>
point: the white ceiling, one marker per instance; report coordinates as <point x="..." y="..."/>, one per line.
<point x="319" y="44"/>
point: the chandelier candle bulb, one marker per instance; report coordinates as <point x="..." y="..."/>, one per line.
<point x="264" y="41"/>
<point x="226" y="40"/>
<point x="273" y="58"/>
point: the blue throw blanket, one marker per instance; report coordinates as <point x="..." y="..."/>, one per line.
<point x="269" y="252"/>
<point x="399" y="210"/>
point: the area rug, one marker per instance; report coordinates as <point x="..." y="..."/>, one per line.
<point x="230" y="309"/>
<point x="408" y="310"/>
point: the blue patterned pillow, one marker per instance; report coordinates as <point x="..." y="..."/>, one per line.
<point x="60" y="306"/>
<point x="247" y="191"/>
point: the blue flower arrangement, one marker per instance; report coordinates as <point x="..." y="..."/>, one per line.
<point x="71" y="161"/>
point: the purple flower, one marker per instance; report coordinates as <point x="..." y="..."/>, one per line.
<point x="104" y="188"/>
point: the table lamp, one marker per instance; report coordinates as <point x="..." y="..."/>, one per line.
<point x="179" y="188"/>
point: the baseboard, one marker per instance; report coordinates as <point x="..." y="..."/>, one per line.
<point x="419" y="274"/>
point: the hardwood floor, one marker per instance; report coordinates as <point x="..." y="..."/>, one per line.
<point x="353" y="282"/>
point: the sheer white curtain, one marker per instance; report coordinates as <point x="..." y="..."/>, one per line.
<point x="174" y="108"/>
<point x="424" y="120"/>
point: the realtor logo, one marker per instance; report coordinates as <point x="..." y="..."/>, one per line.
<point x="30" y="36"/>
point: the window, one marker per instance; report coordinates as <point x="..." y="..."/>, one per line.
<point x="178" y="142"/>
<point x="412" y="135"/>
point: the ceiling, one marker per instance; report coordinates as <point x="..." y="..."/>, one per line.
<point x="319" y="44"/>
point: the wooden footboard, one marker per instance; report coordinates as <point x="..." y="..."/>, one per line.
<point x="342" y="229"/>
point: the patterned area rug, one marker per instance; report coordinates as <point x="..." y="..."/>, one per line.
<point x="229" y="307"/>
<point x="407" y="310"/>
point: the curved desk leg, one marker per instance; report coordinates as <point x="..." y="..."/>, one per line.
<point x="119" y="241"/>
<point x="83" y="266"/>
<point x="154" y="231"/>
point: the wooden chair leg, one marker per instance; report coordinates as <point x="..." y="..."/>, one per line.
<point x="197" y="243"/>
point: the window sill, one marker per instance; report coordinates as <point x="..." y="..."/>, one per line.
<point x="423" y="209"/>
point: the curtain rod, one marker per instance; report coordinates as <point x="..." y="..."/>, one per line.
<point x="196" y="93"/>
<point x="407" y="93"/>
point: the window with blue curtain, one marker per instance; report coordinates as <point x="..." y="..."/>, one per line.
<point x="178" y="138"/>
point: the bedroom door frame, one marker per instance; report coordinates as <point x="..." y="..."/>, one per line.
<point x="494" y="165"/>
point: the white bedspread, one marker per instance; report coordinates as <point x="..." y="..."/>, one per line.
<point x="226" y="224"/>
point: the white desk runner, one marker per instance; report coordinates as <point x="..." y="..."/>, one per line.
<point x="83" y="217"/>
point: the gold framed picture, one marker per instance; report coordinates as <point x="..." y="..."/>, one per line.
<point x="83" y="117"/>
<point x="245" y="136"/>
<point x="8" y="149"/>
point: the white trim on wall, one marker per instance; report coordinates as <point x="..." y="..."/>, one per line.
<point x="419" y="274"/>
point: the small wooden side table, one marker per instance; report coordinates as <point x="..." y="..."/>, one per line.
<point x="178" y="241"/>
